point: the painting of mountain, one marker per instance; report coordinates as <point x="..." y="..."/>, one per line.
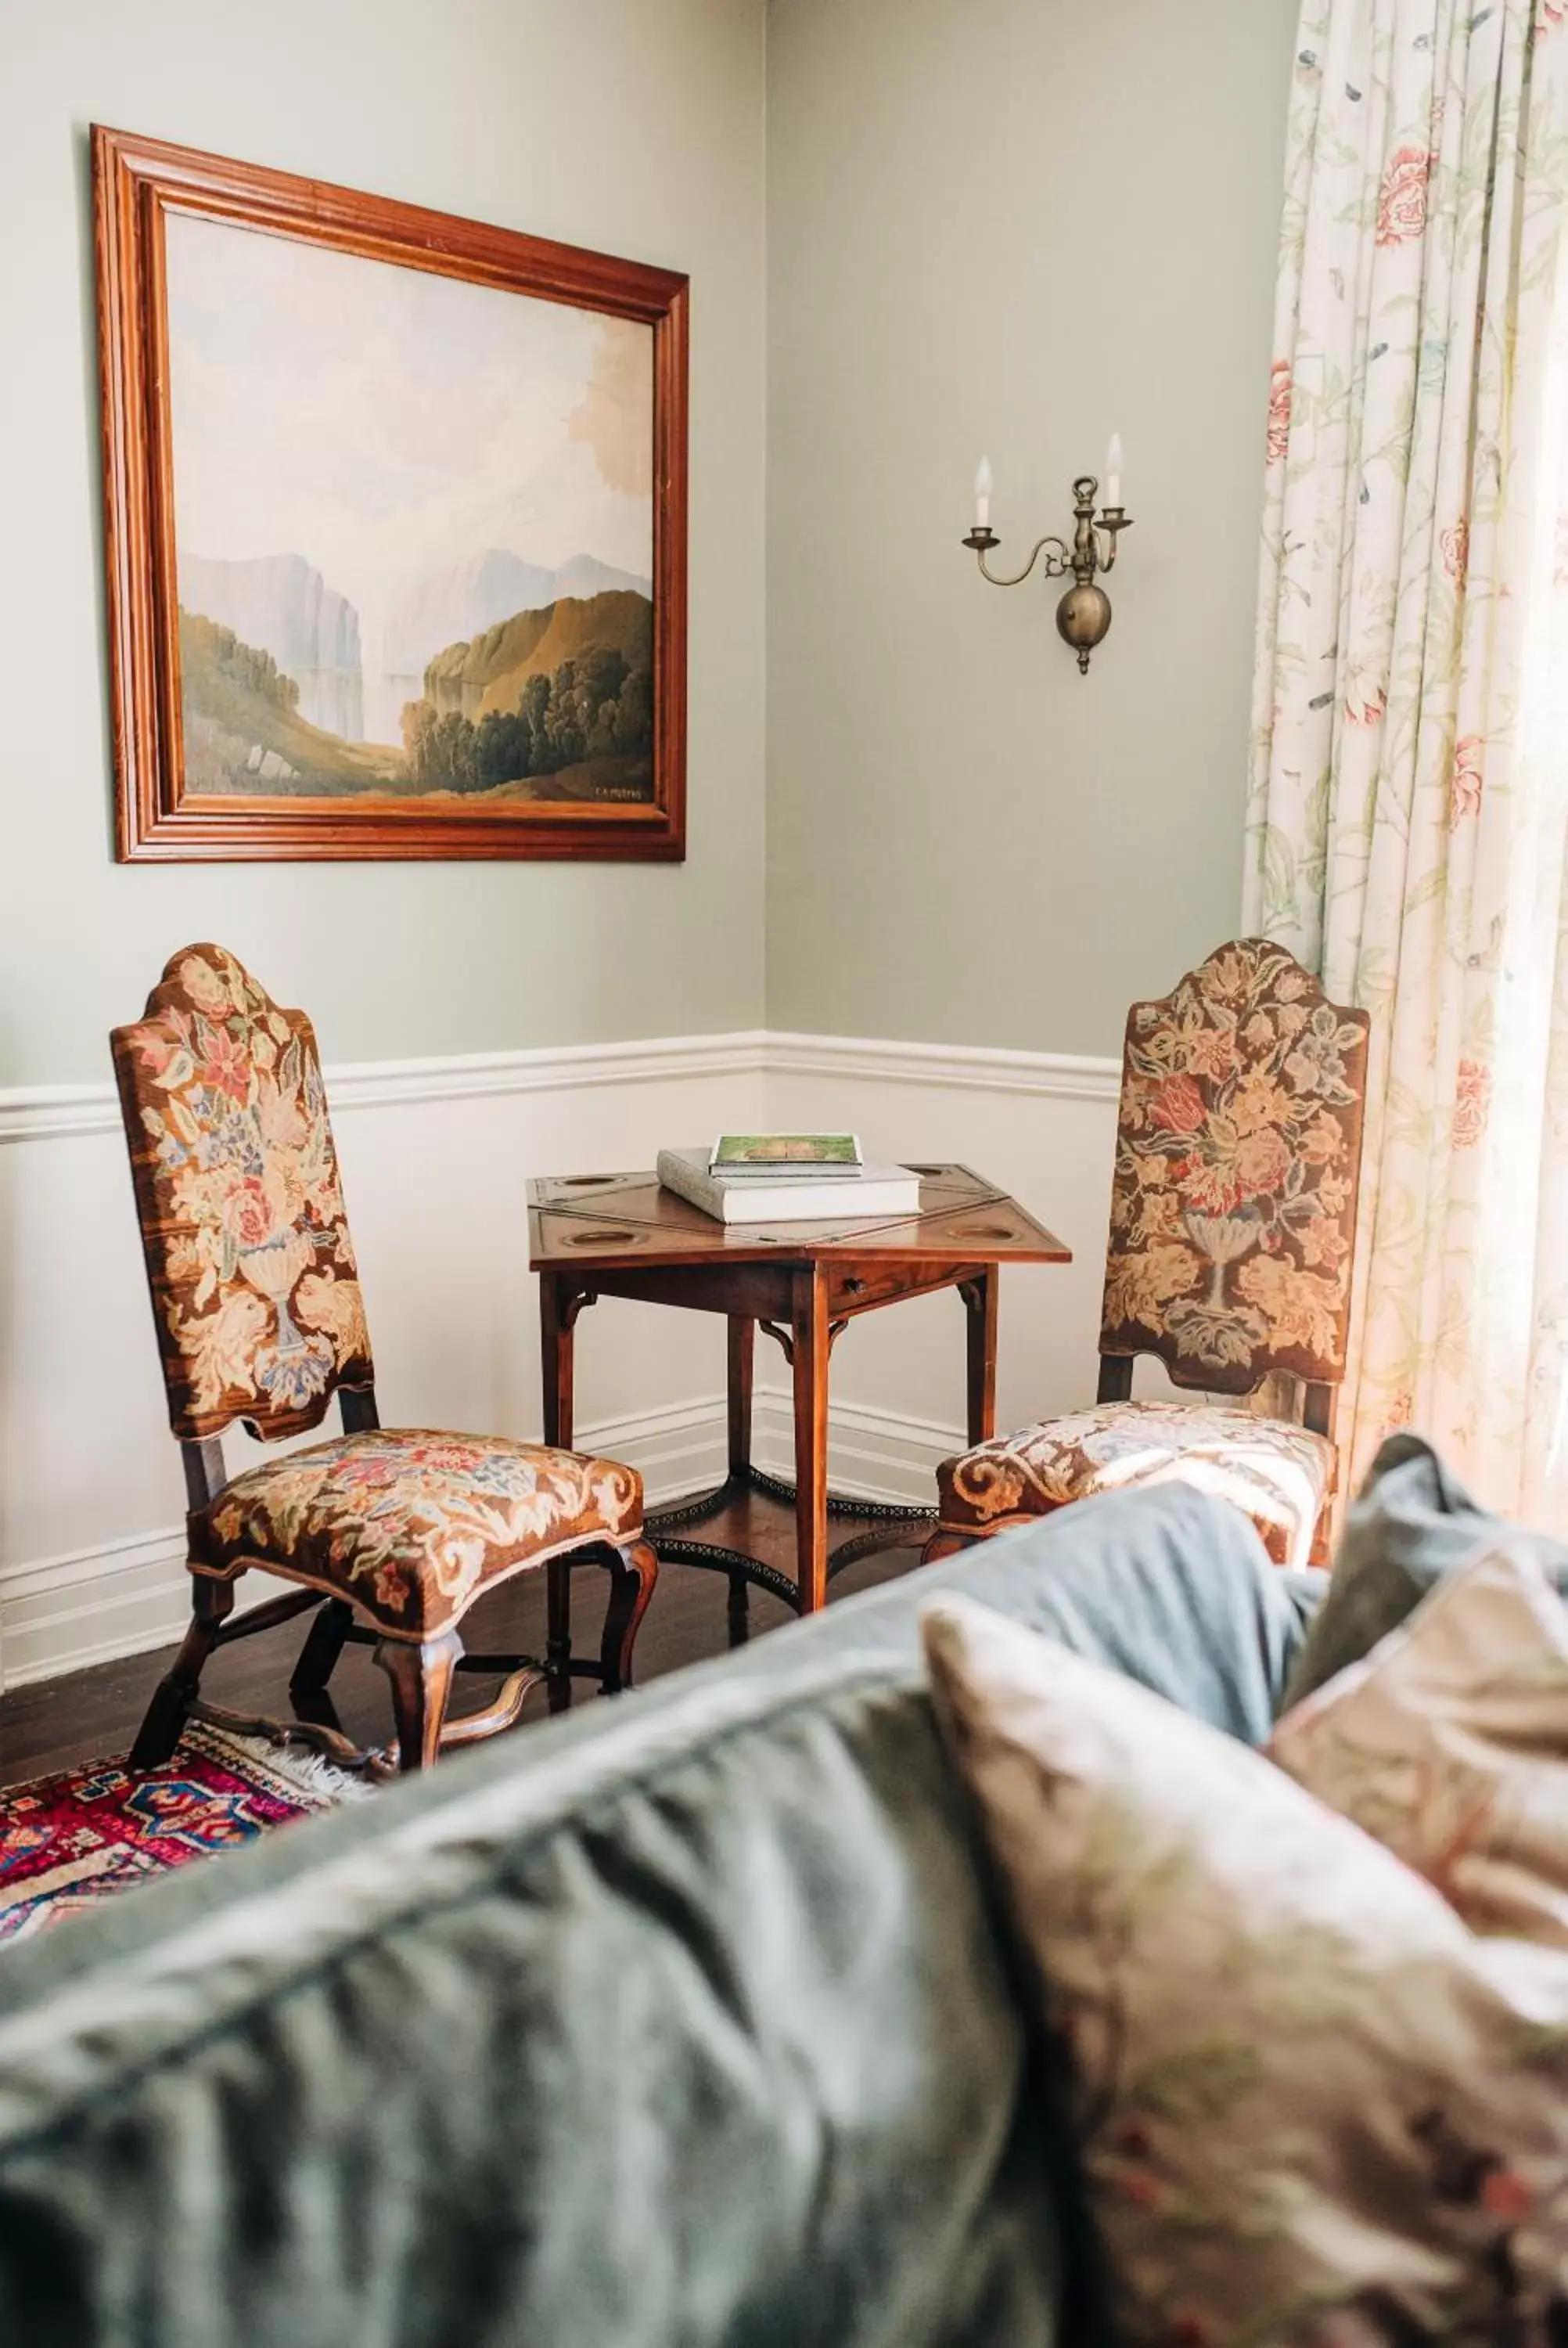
<point x="245" y="730"/>
<point x="553" y="704"/>
<point x="453" y="604"/>
<point x="490" y="671"/>
<point x="396" y="538"/>
<point x="281" y="606"/>
<point x="584" y="575"/>
<point x="399" y="500"/>
<point x="464" y="601"/>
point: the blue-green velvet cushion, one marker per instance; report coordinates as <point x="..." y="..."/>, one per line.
<point x="685" y="2020"/>
<point x="1411" y="1522"/>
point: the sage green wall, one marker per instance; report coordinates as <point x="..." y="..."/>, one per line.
<point x="1004" y="224"/>
<point x="636" y="125"/>
<point x="1009" y="225"/>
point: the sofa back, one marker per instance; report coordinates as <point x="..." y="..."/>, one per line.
<point x="686" y="2020"/>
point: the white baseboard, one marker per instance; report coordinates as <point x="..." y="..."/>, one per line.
<point x="677" y="1450"/>
<point x="93" y="1605"/>
<point x="872" y="1455"/>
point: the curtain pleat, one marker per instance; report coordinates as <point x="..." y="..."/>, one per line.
<point x="1408" y="784"/>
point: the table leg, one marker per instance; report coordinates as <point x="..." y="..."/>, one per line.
<point x="556" y="1341"/>
<point x="980" y="1296"/>
<point x="743" y="1346"/>
<point x="743" y="1331"/>
<point x="809" y="1330"/>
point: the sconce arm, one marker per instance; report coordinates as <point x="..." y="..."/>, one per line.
<point x="1058" y="559"/>
<point x="1112" y="521"/>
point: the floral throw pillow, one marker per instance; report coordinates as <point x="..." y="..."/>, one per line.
<point x="1450" y="1744"/>
<point x="1311" y="2106"/>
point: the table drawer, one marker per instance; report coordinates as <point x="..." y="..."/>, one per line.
<point x="860" y="1287"/>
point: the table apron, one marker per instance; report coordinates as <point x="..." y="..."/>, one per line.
<point x="852" y="1284"/>
<point x="761" y="1291"/>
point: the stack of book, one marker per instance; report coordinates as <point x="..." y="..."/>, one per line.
<point x="787" y="1178"/>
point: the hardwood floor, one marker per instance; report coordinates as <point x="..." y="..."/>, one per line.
<point x="84" y="1716"/>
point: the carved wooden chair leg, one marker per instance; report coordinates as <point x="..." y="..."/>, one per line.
<point x="325" y="1642"/>
<point x="557" y="1632"/>
<point x="943" y="1544"/>
<point x="633" y="1571"/>
<point x="421" y="1678"/>
<point x="167" y="1715"/>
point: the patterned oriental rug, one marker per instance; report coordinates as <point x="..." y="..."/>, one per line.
<point x="70" y="1839"/>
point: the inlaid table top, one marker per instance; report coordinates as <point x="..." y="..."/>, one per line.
<point x="595" y="1222"/>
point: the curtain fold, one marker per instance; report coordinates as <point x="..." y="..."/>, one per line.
<point x="1408" y="788"/>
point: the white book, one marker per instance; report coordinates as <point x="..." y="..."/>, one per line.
<point x="875" y="1190"/>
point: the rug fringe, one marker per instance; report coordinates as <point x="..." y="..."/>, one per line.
<point x="309" y="1773"/>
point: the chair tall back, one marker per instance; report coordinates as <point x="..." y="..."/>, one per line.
<point x="248" y="1252"/>
<point x="1238" y="1154"/>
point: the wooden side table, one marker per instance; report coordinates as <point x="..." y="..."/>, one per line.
<point x="594" y="1235"/>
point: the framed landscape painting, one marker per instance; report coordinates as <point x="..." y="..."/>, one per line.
<point x="397" y="525"/>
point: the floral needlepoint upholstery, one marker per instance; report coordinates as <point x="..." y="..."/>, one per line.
<point x="1232" y="1230"/>
<point x="1277" y="1474"/>
<point x="252" y="1273"/>
<point x="411" y="1525"/>
<point x="1233" y="1209"/>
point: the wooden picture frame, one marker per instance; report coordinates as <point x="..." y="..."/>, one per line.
<point x="617" y="789"/>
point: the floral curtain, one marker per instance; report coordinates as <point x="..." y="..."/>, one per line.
<point x="1410" y="770"/>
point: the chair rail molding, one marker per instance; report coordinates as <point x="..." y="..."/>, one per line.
<point x="972" y="1067"/>
<point x="91" y="1547"/>
<point x="67" y="1112"/>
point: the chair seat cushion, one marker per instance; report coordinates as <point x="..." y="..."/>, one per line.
<point x="1277" y="1473"/>
<point x="410" y="1525"/>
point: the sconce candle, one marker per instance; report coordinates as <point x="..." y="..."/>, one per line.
<point x="1083" y="615"/>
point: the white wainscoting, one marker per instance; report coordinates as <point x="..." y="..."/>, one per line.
<point x="436" y="1154"/>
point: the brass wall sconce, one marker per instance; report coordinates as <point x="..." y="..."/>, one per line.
<point x="1083" y="615"/>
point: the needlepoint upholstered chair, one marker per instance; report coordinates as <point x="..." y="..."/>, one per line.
<point x="392" y="1533"/>
<point x="1232" y="1224"/>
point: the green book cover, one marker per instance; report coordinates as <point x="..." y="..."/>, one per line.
<point x="785" y="1153"/>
